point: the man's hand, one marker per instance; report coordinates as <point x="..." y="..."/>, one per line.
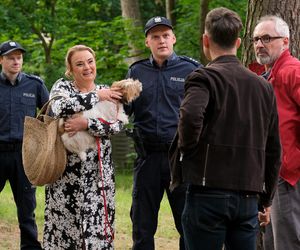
<point x="264" y="217"/>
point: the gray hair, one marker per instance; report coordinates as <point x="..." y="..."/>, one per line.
<point x="281" y="27"/>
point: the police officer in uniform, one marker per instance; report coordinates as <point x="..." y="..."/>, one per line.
<point x="20" y="95"/>
<point x="156" y="114"/>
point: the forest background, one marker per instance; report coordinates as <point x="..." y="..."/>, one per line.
<point x="47" y="28"/>
<point x="114" y="29"/>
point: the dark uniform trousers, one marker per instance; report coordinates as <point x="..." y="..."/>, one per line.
<point x="151" y="179"/>
<point x="11" y="169"/>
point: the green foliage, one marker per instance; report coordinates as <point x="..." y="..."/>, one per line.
<point x="239" y="6"/>
<point x="52" y="73"/>
<point x="70" y="23"/>
<point x="187" y="28"/>
<point x="98" y="24"/>
<point x="151" y="8"/>
<point x="104" y="10"/>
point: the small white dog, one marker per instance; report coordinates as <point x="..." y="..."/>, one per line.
<point x="106" y="110"/>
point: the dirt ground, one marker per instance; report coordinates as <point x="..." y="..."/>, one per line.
<point x="9" y="240"/>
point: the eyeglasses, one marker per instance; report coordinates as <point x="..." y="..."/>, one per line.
<point x="264" y="39"/>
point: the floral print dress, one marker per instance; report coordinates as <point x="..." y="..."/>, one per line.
<point x="77" y="214"/>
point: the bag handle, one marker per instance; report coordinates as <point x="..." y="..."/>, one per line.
<point x="44" y="109"/>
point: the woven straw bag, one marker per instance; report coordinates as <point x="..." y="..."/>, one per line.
<point x="43" y="152"/>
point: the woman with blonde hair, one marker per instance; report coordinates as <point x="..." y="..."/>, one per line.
<point x="80" y="209"/>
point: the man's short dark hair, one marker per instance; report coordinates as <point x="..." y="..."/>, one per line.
<point x="223" y="27"/>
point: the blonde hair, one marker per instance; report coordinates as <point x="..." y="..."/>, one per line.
<point x="69" y="55"/>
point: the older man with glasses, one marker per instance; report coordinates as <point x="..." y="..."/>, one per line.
<point x="271" y="45"/>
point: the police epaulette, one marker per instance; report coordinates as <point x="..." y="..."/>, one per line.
<point x="191" y="60"/>
<point x="35" y="77"/>
<point x="138" y="61"/>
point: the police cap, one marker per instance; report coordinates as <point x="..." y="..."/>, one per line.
<point x="155" y="21"/>
<point x="9" y="46"/>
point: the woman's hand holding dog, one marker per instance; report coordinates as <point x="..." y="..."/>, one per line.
<point x="113" y="94"/>
<point x="74" y="124"/>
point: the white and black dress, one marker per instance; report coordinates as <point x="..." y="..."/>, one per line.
<point x="75" y="212"/>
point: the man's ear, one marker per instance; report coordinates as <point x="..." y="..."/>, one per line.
<point x="205" y="40"/>
<point x="286" y="42"/>
<point x="238" y="43"/>
<point x="174" y="39"/>
<point x="146" y="42"/>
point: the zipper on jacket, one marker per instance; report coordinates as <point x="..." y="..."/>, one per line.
<point x="205" y="165"/>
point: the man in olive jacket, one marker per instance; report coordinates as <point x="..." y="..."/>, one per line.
<point x="227" y="146"/>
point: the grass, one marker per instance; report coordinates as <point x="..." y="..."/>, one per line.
<point x="166" y="236"/>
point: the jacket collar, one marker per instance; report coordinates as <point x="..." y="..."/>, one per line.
<point x="4" y="78"/>
<point x="280" y="61"/>
<point x="172" y="59"/>
<point x="225" y="59"/>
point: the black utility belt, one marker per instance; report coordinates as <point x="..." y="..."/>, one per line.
<point x="10" y="146"/>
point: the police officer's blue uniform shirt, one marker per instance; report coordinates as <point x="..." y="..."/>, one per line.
<point x="17" y="101"/>
<point x="156" y="111"/>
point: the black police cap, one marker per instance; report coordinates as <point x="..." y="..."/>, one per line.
<point x="158" y="20"/>
<point x="9" y="46"/>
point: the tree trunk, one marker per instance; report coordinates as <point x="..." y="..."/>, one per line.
<point x="131" y="9"/>
<point x="287" y="9"/>
<point x="170" y="6"/>
<point x="203" y="12"/>
<point x="131" y="12"/>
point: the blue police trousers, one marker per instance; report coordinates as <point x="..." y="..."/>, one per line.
<point x="151" y="179"/>
<point x="11" y="169"/>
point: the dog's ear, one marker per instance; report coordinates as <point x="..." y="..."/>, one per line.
<point x="130" y="89"/>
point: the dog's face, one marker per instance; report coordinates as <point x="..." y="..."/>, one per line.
<point x="130" y="89"/>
